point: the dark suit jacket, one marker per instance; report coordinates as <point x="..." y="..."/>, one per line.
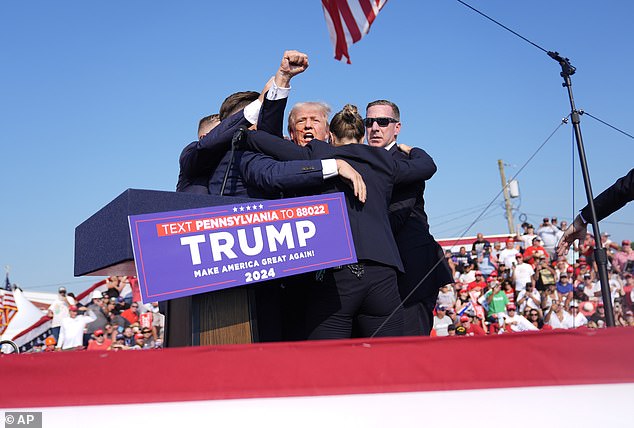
<point x="187" y="184"/>
<point x="419" y="250"/>
<point x="613" y="198"/>
<point x="255" y="175"/>
<point x="201" y="158"/>
<point x="369" y="223"/>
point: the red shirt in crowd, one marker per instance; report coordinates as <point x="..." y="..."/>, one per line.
<point x="476" y="284"/>
<point x="130" y="316"/>
<point x="475" y="330"/>
<point x="531" y="251"/>
<point x="93" y="345"/>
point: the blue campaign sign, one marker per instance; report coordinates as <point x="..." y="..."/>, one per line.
<point x="181" y="253"/>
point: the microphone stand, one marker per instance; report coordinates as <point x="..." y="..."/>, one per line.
<point x="600" y="254"/>
<point x="237" y="136"/>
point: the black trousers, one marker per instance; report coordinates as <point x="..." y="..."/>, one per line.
<point x="342" y="298"/>
<point x="424" y="262"/>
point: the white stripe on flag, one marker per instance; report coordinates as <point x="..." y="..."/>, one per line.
<point x="350" y="16"/>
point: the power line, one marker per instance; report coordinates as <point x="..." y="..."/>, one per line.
<point x="468" y="213"/>
<point x="503" y="26"/>
<point x="606" y="124"/>
<point x="475" y="207"/>
<point x="56" y="284"/>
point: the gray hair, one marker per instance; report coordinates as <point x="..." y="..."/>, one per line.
<point x="325" y="108"/>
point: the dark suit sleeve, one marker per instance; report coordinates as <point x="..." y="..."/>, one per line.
<point x="419" y="167"/>
<point x="613" y="198"/>
<point x="404" y="200"/>
<point x="276" y="147"/>
<point x="202" y="157"/>
<point x="272" y="176"/>
<point x="271" y="116"/>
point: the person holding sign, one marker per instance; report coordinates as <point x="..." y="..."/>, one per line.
<point x="365" y="292"/>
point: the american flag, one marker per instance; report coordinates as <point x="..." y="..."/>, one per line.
<point x="348" y="21"/>
<point x="8" y="308"/>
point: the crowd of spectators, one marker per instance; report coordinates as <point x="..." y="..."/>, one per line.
<point x="501" y="287"/>
<point x="111" y="321"/>
<point x="522" y="285"/>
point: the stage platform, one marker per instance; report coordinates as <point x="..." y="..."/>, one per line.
<point x="374" y="381"/>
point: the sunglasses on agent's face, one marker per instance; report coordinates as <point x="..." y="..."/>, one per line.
<point x="381" y="121"/>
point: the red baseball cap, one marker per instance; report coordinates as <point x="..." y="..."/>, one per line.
<point x="464" y="318"/>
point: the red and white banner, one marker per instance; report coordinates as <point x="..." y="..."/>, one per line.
<point x="356" y="382"/>
<point x="348" y="21"/>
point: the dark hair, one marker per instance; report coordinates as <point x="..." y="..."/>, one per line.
<point x="236" y="102"/>
<point x="395" y="110"/>
<point x="207" y="123"/>
<point x="208" y="119"/>
<point x="347" y="123"/>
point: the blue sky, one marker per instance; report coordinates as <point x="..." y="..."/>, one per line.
<point x="98" y="98"/>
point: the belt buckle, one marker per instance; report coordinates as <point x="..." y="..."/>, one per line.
<point x="357" y="269"/>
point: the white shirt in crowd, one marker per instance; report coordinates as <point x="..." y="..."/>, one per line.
<point x="523" y="273"/>
<point x="441" y="324"/>
<point x="59" y="308"/>
<point x="566" y="322"/>
<point x="529" y="302"/>
<point x="580" y="320"/>
<point x="519" y="323"/>
<point x="507" y="256"/>
<point x="71" y="333"/>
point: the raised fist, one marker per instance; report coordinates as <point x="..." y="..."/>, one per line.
<point x="293" y="63"/>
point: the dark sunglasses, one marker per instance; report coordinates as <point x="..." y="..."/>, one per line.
<point x="382" y="121"/>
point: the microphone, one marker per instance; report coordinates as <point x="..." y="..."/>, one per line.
<point x="237" y="138"/>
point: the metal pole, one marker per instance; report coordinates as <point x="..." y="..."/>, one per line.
<point x="507" y="198"/>
<point x="600" y="256"/>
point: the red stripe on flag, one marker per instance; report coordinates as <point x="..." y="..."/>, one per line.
<point x="368" y="11"/>
<point x="351" y="23"/>
<point x="341" y="47"/>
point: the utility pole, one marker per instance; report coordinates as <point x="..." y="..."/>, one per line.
<point x="507" y="198"/>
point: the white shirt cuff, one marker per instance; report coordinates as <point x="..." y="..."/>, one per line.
<point x="329" y="168"/>
<point x="277" y="93"/>
<point x="252" y="111"/>
<point x="583" y="219"/>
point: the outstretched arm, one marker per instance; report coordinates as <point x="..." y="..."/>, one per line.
<point x="271" y="176"/>
<point x="275" y="94"/>
<point x="610" y="200"/>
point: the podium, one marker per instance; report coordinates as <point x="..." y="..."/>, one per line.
<point x="244" y="314"/>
